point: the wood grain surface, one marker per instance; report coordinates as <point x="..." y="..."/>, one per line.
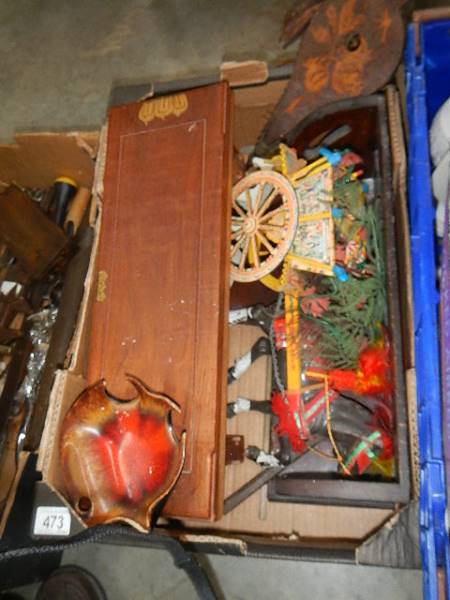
<point x="35" y="241"/>
<point x="351" y="48"/>
<point x="162" y="274"/>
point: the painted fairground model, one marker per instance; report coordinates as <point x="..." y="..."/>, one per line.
<point x="312" y="232"/>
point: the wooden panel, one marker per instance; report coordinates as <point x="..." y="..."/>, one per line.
<point x="162" y="274"/>
<point x="34" y="240"/>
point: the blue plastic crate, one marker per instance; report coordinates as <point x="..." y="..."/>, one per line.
<point x="428" y="86"/>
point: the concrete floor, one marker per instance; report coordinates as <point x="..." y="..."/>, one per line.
<point x="138" y="574"/>
<point x="60" y="59"/>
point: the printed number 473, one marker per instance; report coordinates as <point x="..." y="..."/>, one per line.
<point x="53" y="522"/>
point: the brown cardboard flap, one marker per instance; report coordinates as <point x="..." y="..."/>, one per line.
<point x="431" y="14"/>
<point x="66" y="388"/>
<point x="399" y="185"/>
<point x="411" y="395"/>
<point x="253" y="107"/>
<point x="248" y="72"/>
<point x="99" y="173"/>
<point x="396" y="544"/>
<point x="264" y="95"/>
<point x="428" y="14"/>
<point x="37" y="159"/>
<point x="191" y="538"/>
<point x="399" y="173"/>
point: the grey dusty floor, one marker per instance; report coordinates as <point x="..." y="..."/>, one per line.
<point x="137" y="574"/>
<point x="59" y="60"/>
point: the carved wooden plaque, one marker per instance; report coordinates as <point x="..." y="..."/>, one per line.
<point x="351" y="48"/>
<point x="161" y="307"/>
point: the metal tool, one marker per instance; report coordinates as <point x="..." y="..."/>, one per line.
<point x="76" y="211"/>
<point x="249" y="488"/>
<point x="73" y="287"/>
<point x="64" y="190"/>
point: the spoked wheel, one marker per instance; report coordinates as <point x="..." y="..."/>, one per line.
<point x="263" y="224"/>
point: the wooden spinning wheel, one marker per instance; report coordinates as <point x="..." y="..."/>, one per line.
<point x="263" y="224"/>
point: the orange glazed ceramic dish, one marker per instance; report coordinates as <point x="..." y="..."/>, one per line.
<point x="120" y="458"/>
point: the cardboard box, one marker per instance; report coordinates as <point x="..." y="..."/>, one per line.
<point x="257" y="527"/>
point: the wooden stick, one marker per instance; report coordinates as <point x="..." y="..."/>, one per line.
<point x="76" y="211"/>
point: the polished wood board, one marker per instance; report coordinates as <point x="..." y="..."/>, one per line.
<point x="162" y="277"/>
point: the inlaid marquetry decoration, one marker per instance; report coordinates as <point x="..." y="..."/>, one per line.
<point x="101" y="286"/>
<point x="163" y="107"/>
